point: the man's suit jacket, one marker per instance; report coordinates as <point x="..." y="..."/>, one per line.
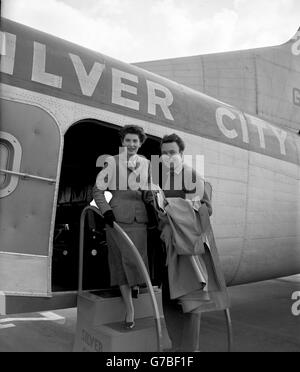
<point x="187" y="184"/>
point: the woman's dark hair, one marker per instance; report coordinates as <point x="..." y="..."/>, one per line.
<point x="133" y="129"/>
<point x="173" y="138"/>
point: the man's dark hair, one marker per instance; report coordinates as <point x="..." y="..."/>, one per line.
<point x="133" y="129"/>
<point x="173" y="138"/>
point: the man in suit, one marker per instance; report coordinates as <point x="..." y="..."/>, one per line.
<point x="180" y="181"/>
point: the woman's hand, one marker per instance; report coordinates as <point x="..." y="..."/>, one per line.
<point x="109" y="218"/>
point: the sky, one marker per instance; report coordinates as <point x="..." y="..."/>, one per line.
<point x="143" y="30"/>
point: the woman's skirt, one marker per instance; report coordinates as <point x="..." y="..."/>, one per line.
<point x="122" y="263"/>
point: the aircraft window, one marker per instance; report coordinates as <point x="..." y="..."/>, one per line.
<point x="10" y="161"/>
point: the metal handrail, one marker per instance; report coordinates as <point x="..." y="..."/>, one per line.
<point x="140" y="263"/>
<point x="27" y="175"/>
<point x="229" y="330"/>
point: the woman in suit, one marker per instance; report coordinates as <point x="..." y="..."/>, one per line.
<point x="125" y="175"/>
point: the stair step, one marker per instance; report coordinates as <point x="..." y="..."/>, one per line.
<point x="113" y="337"/>
<point x="100" y="325"/>
<point x="99" y="310"/>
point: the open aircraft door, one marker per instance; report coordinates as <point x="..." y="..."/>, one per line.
<point x="29" y="151"/>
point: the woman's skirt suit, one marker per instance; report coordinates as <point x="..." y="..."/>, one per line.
<point x="118" y="176"/>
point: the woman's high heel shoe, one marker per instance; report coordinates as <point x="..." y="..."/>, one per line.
<point x="129" y="325"/>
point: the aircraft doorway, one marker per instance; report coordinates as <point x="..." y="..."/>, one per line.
<point x="84" y="142"/>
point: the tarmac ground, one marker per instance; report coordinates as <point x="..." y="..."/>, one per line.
<point x="264" y="319"/>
